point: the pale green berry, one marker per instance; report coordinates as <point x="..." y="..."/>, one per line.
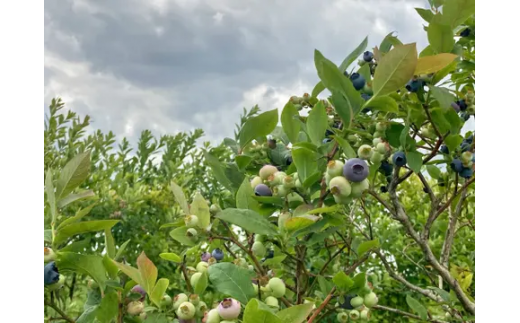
<point x="191" y="221"/>
<point x="376" y="141"/>
<point x="335" y="168"/>
<point x="277" y="286"/>
<point x="376" y="157"/>
<point x="143" y="316"/>
<point x="466" y="157"/>
<point x="202" y="267"/>
<point x="352" y="139"/>
<point x="365" y="314"/>
<point x="371" y="300"/>
<point x="354" y="315"/>
<point x="166" y="301"/>
<point x="342" y="317"/>
<point x="260" y="237"/>
<point x="272" y="302"/>
<point x="195" y="279"/>
<point x="340" y="186"/>
<point x="341" y="200"/>
<point x="179" y="299"/>
<point x="280" y="191"/>
<point x="135" y="308"/>
<point x="267" y="171"/>
<point x="379" y="134"/>
<point x="186" y="311"/>
<point x="327" y="179"/>
<point x="256" y="181"/>
<point x="194" y="299"/>
<point x="276" y="178"/>
<point x="201" y="308"/>
<point x="381" y="127"/>
<point x="48" y="254"/>
<point x="213" y="316"/>
<point x="357" y="301"/>
<point x="359" y="188"/>
<point x="288" y="182"/>
<point x="382" y="148"/>
<point x="365" y="152"/>
<point x="255" y="287"/>
<point x="258" y="249"/>
<point x="191" y="233"/>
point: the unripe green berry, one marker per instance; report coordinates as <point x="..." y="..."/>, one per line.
<point x="255" y="287"/>
<point x="354" y="315"/>
<point x="202" y="267"/>
<point x="272" y="302"/>
<point x="166" y="301"/>
<point x="213" y="316"/>
<point x="212" y="261"/>
<point x="48" y="254"/>
<point x="267" y="171"/>
<point x="365" y="152"/>
<point x="381" y="127"/>
<point x="186" y="311"/>
<point x="277" y="286"/>
<point x="135" y="308"/>
<point x="191" y="233"/>
<point x="357" y="301"/>
<point x="382" y="148"/>
<point x="466" y="156"/>
<point x="364" y="314"/>
<point x="359" y="188"/>
<point x="280" y="191"/>
<point x="282" y="218"/>
<point x="191" y="221"/>
<point x="276" y="178"/>
<point x="178" y="300"/>
<point x="335" y="168"/>
<point x="341" y="200"/>
<point x="379" y="134"/>
<point x="352" y="139"/>
<point x="241" y="262"/>
<point x="256" y="181"/>
<point x="288" y="182"/>
<point x="376" y="141"/>
<point x="377" y="157"/>
<point x="260" y="238"/>
<point x="143" y="316"/>
<point x="327" y="179"/>
<point x="340" y="186"/>
<point x="371" y="300"/>
<point x="214" y="208"/>
<point x="57" y="285"/>
<point x="194" y="299"/>
<point x="258" y="249"/>
<point x="201" y="308"/>
<point x="342" y="317"/>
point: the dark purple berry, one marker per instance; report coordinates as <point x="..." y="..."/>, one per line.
<point x="355" y="170"/>
<point x="51" y="274"/>
<point x="444" y="150"/>
<point x="139" y="290"/>
<point x="385" y="168"/>
<point x="399" y="159"/>
<point x="384" y="189"/>
<point x="465" y="33"/>
<point x="346" y="304"/>
<point x="414" y="85"/>
<point x="218" y="254"/>
<point x="263" y="190"/>
<point x="368" y="56"/>
<point x="389" y="179"/>
<point x="462" y="104"/>
<point x="326" y="140"/>
<point x="329" y="133"/>
<point x="288" y="161"/>
<point x="358" y="81"/>
<point x="456" y="165"/>
<point x="466" y="172"/>
<point x="365" y="96"/>
<point x="455" y="107"/>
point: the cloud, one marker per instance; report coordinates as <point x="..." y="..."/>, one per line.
<point x="176" y="65"/>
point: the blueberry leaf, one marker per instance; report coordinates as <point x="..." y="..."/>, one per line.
<point x="256" y="313"/>
<point x="366" y="246"/>
<point x="290" y="122"/>
<point x="158" y="291"/>
<point x="433" y="64"/>
<point x="342" y="281"/>
<point x="425" y="14"/>
<point x="455" y="12"/>
<point x="244" y="198"/>
<point x="179" y="235"/>
<point x="352" y="56"/>
<point x="295" y="314"/>
<point x="440" y="37"/>
<point x="317" y="123"/>
<point x="73" y="174"/>
<point x="417" y="307"/>
<point x="414" y="160"/>
<point x="259" y="126"/>
<point x="443" y="96"/>
<point x="248" y="220"/>
<point x="231" y="280"/>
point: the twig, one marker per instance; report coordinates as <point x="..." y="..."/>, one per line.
<point x="410" y="315"/>
<point x="186" y="278"/>
<point x="60" y="312"/>
<point x="322" y="306"/>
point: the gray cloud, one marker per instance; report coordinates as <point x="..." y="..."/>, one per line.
<point x="176" y="65"/>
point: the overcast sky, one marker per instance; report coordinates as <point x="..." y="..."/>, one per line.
<point x="177" y="65"/>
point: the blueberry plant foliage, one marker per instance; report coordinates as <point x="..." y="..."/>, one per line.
<point x="359" y="207"/>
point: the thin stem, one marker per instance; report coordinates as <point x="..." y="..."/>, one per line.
<point x="410" y="315"/>
<point x="322" y="306"/>
<point x="60" y="312"/>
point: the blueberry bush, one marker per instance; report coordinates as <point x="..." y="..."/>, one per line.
<point x="355" y="206"/>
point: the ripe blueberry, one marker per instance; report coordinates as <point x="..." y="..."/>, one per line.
<point x="358" y="81"/>
<point x="456" y="165"/>
<point x="346" y="303"/>
<point x="368" y="56"/>
<point x="229" y="309"/>
<point x="444" y="150"/>
<point x="462" y="104"/>
<point x="385" y="168"/>
<point x="465" y="33"/>
<point x="455" y="106"/>
<point x="384" y="189"/>
<point x="399" y="159"/>
<point x="218" y="254"/>
<point x="355" y="170"/>
<point x="51" y="274"/>
<point x="466" y="172"/>
<point x="263" y="190"/>
<point x="414" y="85"/>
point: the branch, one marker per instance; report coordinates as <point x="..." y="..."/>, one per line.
<point x="60" y="312"/>
<point x="322" y="306"/>
<point x="396" y="311"/>
<point x="450" y="232"/>
<point x="186" y="278"/>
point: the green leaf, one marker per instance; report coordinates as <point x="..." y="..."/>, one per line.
<point x="453" y="141"/>
<point x="218" y="171"/>
<point x="180" y="197"/>
<point x="202" y="284"/>
<point x="248" y="220"/>
<point x="243" y="161"/>
<point x="347" y="148"/>
<point x="382" y="103"/>
<point x="274" y="261"/>
<point x="417" y="307"/>
<point x="148" y="273"/>
<point x="245" y="198"/>
<point x="254" y="314"/>
<point x="79" y="214"/>
<point x="84" y="264"/>
<point x="352" y="56"/>
<point x="435" y="63"/>
<point x="305" y="161"/>
<point x="414" y="160"/>
<point x="47" y="235"/>
<point x="439" y="120"/>
<point x="325" y="285"/>
<point x="158" y="291"/>
<point x="110" y="244"/>
<point x="318" y="89"/>
<point x="259" y="126"/>
<point x="340" y="86"/>
<point x="231" y="280"/>
<point x="75" y="197"/>
<point x="425" y="14"/>
<point x="440" y="37"/>
<point x="130" y="271"/>
<point x="393" y="134"/>
<point x="109" y="308"/>
<point x="200" y="208"/>
<point x="443" y="96"/>
<point x="171" y="257"/>
<point x="73" y="174"/>
<point x="342" y="281"/>
<point x="395" y="69"/>
<point x="156" y="318"/>
<point x="442" y="293"/>
<point x="452" y="117"/>
<point x="360" y="280"/>
<point x="51" y="197"/>
<point x="121" y="249"/>
<point x="317" y="123"/>
<point x="365" y="72"/>
<point x="297" y="223"/>
<point x="77" y="246"/>
<point x="433" y="171"/>
<point x="88" y="315"/>
<point x="366" y="246"/>
<point x="296" y="314"/>
<point x="389" y="41"/>
<point x="110" y="267"/>
<point x="455" y="12"/>
<point x="179" y="235"/>
<point x="82" y="227"/>
<point x="291" y="122"/>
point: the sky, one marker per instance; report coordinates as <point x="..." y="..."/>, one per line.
<point x="177" y="65"/>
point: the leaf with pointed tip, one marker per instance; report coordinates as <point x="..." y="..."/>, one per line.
<point x="130" y="271"/>
<point x="382" y="103"/>
<point x="148" y="272"/>
<point x="180" y="197"/>
<point x="171" y="257"/>
<point x="82" y="227"/>
<point x="417" y="307"/>
<point x="75" y="197"/>
<point x="317" y="123"/>
<point x="79" y="214"/>
<point x="440" y="37"/>
<point x="291" y="122"/>
<point x="395" y="69"/>
<point x="73" y="174"/>
<point x="84" y="264"/>
<point x="231" y="280"/>
<point x="355" y="54"/>
<point x="258" y="126"/>
<point x="110" y="244"/>
<point x="434" y="63"/>
<point x="455" y="12"/>
<point x="51" y="197"/>
<point x="253" y="313"/>
<point x="158" y="291"/>
<point x="108" y="308"/>
<point x="200" y="208"/>
<point x="296" y="314"/>
<point x="245" y="198"/>
<point x="248" y="220"/>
